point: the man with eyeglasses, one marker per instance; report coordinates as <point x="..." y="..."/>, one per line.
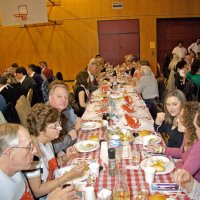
<point x="59" y="98"/>
<point x="16" y="154"/>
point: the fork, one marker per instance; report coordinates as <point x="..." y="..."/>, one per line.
<point x="158" y="127"/>
<point x="177" y="194"/>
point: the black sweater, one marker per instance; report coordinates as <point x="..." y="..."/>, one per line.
<point x="175" y="137"/>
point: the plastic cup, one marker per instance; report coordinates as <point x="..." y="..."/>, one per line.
<point x="94" y="169"/>
<point x="105" y="124"/>
<point x="149" y="174"/>
<point x="89" y="193"/>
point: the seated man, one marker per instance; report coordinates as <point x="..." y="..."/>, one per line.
<point x="92" y="70"/>
<point x="16" y="154"/>
<point x="58" y="98"/>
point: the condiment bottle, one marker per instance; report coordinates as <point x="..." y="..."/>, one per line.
<point x="111" y="162"/>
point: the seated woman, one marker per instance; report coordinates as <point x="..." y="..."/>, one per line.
<point x="82" y="94"/>
<point x="189" y="151"/>
<point x="166" y="122"/>
<point x="194" y="73"/>
<point x="44" y="126"/>
<point x="183" y="177"/>
<point x="147" y="86"/>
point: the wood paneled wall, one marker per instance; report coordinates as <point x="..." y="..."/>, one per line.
<point x="68" y="47"/>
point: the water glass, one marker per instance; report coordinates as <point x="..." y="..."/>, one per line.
<point x="118" y="154"/>
<point x="135" y="157"/>
<point x="91" y="178"/>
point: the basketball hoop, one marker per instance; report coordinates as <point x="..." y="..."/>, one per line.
<point x="22" y="17"/>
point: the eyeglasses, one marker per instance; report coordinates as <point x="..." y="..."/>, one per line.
<point x="55" y="125"/>
<point x="30" y="148"/>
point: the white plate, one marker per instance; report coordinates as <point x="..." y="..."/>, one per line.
<point x="61" y="171"/>
<point x="90" y="125"/>
<point x="152" y="139"/>
<point x="153" y="160"/>
<point x="115" y="96"/>
<point x="76" y="161"/>
<point x="169" y="168"/>
<point x="87" y="146"/>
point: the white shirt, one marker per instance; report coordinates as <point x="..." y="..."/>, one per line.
<point x="32" y="74"/>
<point x="11" y="187"/>
<point x="91" y="77"/>
<point x="194" y="47"/>
<point x="147" y="86"/>
<point x="48" y="154"/>
<point x="5" y="86"/>
<point x="180" y="52"/>
<point x="22" y="79"/>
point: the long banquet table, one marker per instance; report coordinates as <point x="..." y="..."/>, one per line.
<point x="135" y="177"/>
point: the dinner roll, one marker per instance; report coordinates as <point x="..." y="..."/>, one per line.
<point x="157" y="196"/>
<point x="144" y="133"/>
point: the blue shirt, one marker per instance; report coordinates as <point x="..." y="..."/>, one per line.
<point x="71" y="116"/>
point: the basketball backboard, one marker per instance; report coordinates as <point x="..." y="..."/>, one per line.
<point x="22" y="12"/>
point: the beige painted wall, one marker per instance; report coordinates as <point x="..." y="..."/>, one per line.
<point x="68" y="47"/>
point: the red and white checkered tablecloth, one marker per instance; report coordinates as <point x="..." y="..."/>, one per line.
<point x="135" y="178"/>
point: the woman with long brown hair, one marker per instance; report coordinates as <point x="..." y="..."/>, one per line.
<point x="166" y="122"/>
<point x="81" y="90"/>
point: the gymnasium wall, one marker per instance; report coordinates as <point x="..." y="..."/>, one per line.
<point x="68" y="47"/>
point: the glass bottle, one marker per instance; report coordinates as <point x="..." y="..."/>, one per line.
<point x="114" y="83"/>
<point x="121" y="190"/>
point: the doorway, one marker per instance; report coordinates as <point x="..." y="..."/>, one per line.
<point x="118" y="38"/>
<point x="170" y="31"/>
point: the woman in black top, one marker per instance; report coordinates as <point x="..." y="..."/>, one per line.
<point x="166" y="122"/>
<point x="82" y="94"/>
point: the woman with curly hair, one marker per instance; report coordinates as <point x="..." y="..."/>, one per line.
<point x="184" y="178"/>
<point x="189" y="151"/>
<point x="44" y="126"/>
<point x="166" y="122"/>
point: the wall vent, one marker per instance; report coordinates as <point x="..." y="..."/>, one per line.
<point x="117" y="5"/>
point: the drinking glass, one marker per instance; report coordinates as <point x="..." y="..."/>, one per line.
<point x="92" y="178"/>
<point x="118" y="154"/>
<point x="142" y="195"/>
<point x="135" y="157"/>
